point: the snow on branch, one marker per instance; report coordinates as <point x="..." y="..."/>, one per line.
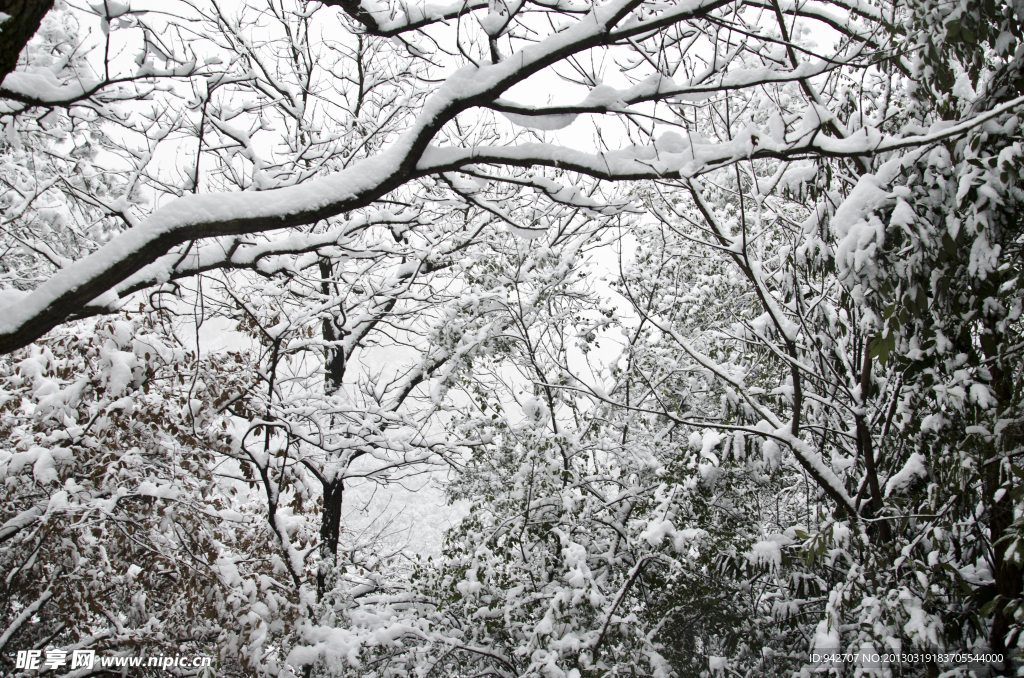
<point x="204" y="216"/>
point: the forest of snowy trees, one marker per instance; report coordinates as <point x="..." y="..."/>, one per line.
<point x="704" y="316"/>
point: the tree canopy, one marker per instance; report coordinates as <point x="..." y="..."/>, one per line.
<point x="707" y="314"/>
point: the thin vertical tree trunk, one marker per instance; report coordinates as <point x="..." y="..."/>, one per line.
<point x="330" y="533"/>
<point x="333" y="489"/>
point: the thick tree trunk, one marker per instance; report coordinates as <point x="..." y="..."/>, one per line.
<point x="334" y="490"/>
<point x="15" y="32"/>
<point x="330" y="533"/>
<point x="334" y="356"/>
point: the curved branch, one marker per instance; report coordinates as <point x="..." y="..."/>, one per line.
<point x="89" y="281"/>
<point x="204" y="216"/>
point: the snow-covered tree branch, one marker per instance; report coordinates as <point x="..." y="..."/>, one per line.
<point x="703" y="315"/>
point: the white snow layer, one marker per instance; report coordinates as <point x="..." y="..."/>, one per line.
<point x="912" y="470"/>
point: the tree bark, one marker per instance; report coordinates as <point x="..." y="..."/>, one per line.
<point x="16" y="31"/>
<point x="334" y="356"/>
<point x="330" y="533"/>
